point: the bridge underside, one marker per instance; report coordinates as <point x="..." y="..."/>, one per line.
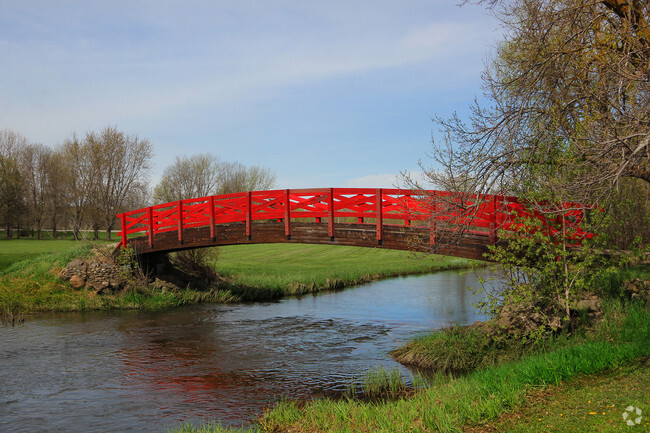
<point x="472" y="245"/>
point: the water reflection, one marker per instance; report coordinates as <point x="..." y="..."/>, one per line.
<point x="148" y="371"/>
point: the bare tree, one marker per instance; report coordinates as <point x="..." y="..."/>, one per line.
<point x="569" y="113"/>
<point x="57" y="195"/>
<point x="187" y="177"/>
<point x="236" y="177"/>
<point x="35" y="163"/>
<point x="569" y="93"/>
<point x="80" y="175"/>
<point x="119" y="163"/>
<point x="12" y="183"/>
<point x="205" y="174"/>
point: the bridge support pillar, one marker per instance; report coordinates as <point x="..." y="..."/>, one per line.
<point x="154" y="263"/>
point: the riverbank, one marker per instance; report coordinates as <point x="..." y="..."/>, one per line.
<point x="29" y="282"/>
<point x="478" y="400"/>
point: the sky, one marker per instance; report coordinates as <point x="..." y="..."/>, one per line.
<point x="324" y="94"/>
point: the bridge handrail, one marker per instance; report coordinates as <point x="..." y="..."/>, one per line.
<point x="484" y="214"/>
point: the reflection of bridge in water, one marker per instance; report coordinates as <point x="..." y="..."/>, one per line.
<point x="379" y="218"/>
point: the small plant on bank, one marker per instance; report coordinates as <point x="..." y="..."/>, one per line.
<point x="380" y="383"/>
<point x="127" y="261"/>
<point x="545" y="272"/>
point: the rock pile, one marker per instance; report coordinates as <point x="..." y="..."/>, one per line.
<point x="527" y="319"/>
<point x="638" y="289"/>
<point x="100" y="276"/>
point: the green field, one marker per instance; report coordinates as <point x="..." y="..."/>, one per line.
<point x="285" y="266"/>
<point x="16" y="250"/>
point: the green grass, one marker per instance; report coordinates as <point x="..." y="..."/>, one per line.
<point x="28" y="278"/>
<point x="206" y="428"/>
<point x="30" y="283"/>
<point x="15" y="250"/>
<point x="301" y="268"/>
<point x="590" y="403"/>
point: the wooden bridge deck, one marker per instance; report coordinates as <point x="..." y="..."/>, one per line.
<point x="411" y="238"/>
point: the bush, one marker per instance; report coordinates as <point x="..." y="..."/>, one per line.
<point x="198" y="263"/>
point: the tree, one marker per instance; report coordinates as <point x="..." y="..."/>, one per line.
<point x="57" y="202"/>
<point x="12" y="183"/>
<point x="570" y="96"/>
<point x="204" y="174"/>
<point x="188" y="177"/>
<point x="100" y="173"/>
<point x="568" y="120"/>
<point x="36" y="166"/>
<point x="79" y="177"/>
<point x="236" y="177"/>
<point x="120" y="163"/>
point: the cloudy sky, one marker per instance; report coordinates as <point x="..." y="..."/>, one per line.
<point x="324" y="93"/>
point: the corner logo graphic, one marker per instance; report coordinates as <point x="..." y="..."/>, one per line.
<point x="632" y="415"/>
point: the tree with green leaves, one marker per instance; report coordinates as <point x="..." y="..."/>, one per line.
<point x="565" y="124"/>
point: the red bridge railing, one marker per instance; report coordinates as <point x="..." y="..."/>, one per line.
<point x="479" y="214"/>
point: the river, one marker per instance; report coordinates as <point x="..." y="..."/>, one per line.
<point x="151" y="371"/>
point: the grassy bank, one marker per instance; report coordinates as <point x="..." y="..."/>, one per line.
<point x="594" y="403"/>
<point x="472" y="401"/>
<point x="31" y="285"/>
<point x="290" y="269"/>
<point x="29" y="269"/>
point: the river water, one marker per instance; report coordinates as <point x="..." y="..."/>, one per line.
<point x="151" y="371"/>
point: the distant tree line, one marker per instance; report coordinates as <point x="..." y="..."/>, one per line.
<point x="82" y="183"/>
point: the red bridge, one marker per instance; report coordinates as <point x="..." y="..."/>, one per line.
<point x="380" y="218"/>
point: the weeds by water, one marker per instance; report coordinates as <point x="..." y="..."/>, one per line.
<point x="459" y="350"/>
<point x="380" y="383"/>
<point x="207" y="428"/>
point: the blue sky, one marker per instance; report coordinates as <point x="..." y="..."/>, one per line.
<point x="325" y="94"/>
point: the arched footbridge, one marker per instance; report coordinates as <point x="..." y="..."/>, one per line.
<point x="379" y="218"/>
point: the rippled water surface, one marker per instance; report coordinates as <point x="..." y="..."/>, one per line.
<point x="139" y="371"/>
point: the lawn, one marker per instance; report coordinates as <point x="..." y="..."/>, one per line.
<point x="15" y="250"/>
<point x="278" y="266"/>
